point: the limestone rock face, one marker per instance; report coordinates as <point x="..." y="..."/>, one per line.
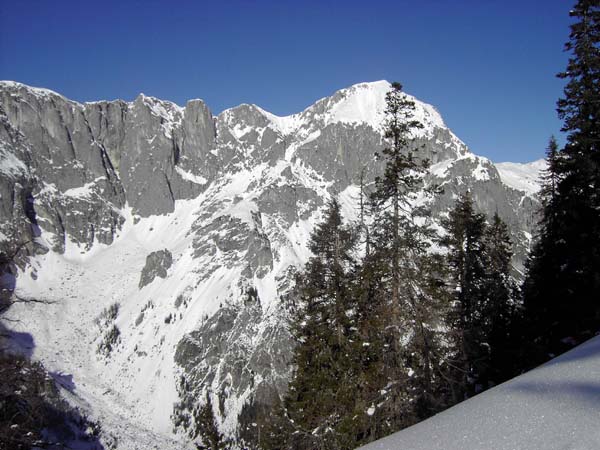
<point x="216" y="213"/>
<point x="73" y="190"/>
<point x="157" y="264"/>
<point x="18" y="224"/>
<point x="238" y="350"/>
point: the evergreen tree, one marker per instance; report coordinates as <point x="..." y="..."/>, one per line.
<point x="207" y="427"/>
<point x="542" y="304"/>
<point x="400" y="240"/>
<point x="316" y="410"/>
<point x="396" y="190"/>
<point x="550" y="178"/>
<point x="370" y="355"/>
<point x="467" y="261"/>
<point x="563" y="280"/>
<point x="500" y="313"/>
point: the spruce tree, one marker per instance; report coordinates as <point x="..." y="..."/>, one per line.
<point x="500" y="313"/>
<point x="400" y="242"/>
<point x="207" y="427"/>
<point x="370" y="355"/>
<point x="561" y="289"/>
<point x="321" y="395"/>
<point x="464" y="239"/>
<point x="550" y="178"/>
<point x="542" y="305"/>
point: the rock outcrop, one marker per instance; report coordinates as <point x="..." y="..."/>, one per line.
<point x="157" y="264"/>
<point x="221" y="206"/>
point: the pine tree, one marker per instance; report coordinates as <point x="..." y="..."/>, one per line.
<point x="500" y="313"/>
<point x="400" y="239"/>
<point x="467" y="262"/>
<point x="563" y="280"/>
<point x="316" y="410"/>
<point x="207" y="428"/>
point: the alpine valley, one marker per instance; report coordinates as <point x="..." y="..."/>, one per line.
<point x="162" y="242"/>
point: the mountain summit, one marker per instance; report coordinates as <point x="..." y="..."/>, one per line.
<point x="164" y="241"/>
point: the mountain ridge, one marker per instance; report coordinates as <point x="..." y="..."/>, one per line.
<point x="207" y="210"/>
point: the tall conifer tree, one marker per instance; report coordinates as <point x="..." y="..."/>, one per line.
<point x="500" y="313"/>
<point x="401" y="239"/>
<point x="465" y="230"/>
<point x="321" y="395"/>
<point x="479" y="257"/>
<point x="561" y="290"/>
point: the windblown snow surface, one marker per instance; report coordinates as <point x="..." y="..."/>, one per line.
<point x="553" y="407"/>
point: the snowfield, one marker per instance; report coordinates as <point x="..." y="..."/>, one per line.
<point x="243" y="206"/>
<point x="553" y="407"/>
<point x="522" y="176"/>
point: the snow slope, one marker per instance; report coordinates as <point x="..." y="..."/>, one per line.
<point x="553" y="407"/>
<point x="131" y="396"/>
<point x="132" y="392"/>
<point x="522" y="177"/>
<point x="233" y="200"/>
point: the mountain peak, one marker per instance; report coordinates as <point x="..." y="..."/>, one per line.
<point x="217" y="212"/>
<point x="364" y="103"/>
<point x="14" y="85"/>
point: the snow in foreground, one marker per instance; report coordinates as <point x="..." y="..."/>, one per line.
<point x="554" y="407"/>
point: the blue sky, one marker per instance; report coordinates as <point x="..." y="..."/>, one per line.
<point x="487" y="65"/>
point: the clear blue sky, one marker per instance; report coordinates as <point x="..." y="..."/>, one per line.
<point x="487" y="65"/>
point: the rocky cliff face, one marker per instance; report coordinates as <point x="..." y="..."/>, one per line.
<point x="194" y="225"/>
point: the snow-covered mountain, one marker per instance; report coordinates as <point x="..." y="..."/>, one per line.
<point x="522" y="176"/>
<point x="166" y="239"/>
<point x="553" y="407"/>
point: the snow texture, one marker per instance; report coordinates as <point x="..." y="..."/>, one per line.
<point x="553" y="407"/>
<point x="364" y="103"/>
<point x="10" y="165"/>
<point x="249" y="225"/>
<point x="40" y="92"/>
<point x="522" y="177"/>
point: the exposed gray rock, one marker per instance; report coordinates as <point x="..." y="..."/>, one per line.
<point x="246" y="132"/>
<point x="258" y="183"/>
<point x="157" y="264"/>
<point x="72" y="189"/>
<point x="237" y="353"/>
<point x="236" y="241"/>
<point x="342" y="151"/>
<point x="18" y="222"/>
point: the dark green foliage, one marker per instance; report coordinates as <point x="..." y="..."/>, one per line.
<point x="315" y="412"/>
<point x="381" y="343"/>
<point x="111" y="335"/>
<point x="404" y="277"/>
<point x="466" y="258"/>
<point x="401" y="241"/>
<point x="502" y="313"/>
<point x="479" y="258"/>
<point x="32" y="414"/>
<point x="563" y="279"/>
<point x="110" y="339"/>
<point x="370" y="355"/>
<point x="207" y="428"/>
<point x="107" y="316"/>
